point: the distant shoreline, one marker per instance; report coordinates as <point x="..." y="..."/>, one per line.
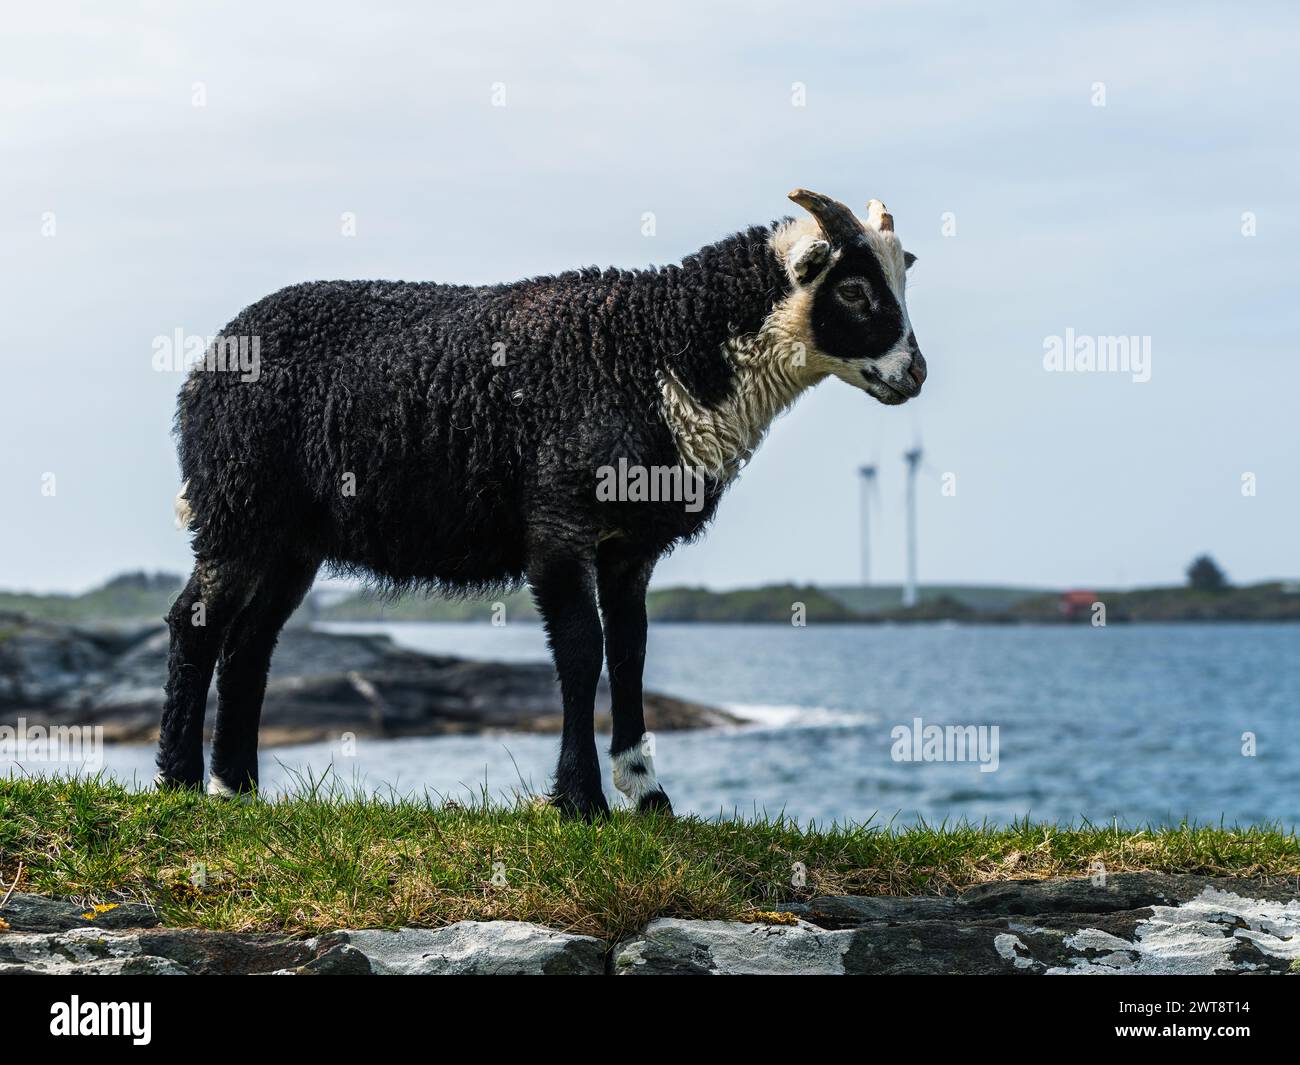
<point x="140" y="598"/>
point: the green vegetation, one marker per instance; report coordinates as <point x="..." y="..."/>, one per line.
<point x="323" y="859"/>
<point x="127" y="597"/>
<point x="770" y="603"/>
<point x="1275" y="601"/>
<point x="141" y="597"/>
<point x="1204" y="575"/>
<point x="887" y="598"/>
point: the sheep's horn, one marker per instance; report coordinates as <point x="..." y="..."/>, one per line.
<point x="878" y="217"/>
<point x="837" y="222"/>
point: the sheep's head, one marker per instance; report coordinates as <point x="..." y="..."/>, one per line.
<point x="849" y="280"/>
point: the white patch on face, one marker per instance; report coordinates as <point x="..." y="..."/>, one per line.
<point x="894" y="364"/>
<point x="633" y="773"/>
<point x="889" y="253"/>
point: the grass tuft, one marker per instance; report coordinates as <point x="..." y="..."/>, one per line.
<point x="329" y="857"/>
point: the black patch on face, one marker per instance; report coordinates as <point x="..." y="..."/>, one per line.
<point x="846" y="327"/>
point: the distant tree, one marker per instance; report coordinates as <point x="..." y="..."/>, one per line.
<point x="145" y="582"/>
<point x="1204" y="575"/>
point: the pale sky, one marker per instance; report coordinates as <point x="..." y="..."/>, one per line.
<point x="1033" y="210"/>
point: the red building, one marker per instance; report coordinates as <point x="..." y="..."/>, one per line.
<point x="1077" y="603"/>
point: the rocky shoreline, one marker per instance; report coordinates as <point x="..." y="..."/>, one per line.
<point x="1133" y="923"/>
<point x="322" y="685"/>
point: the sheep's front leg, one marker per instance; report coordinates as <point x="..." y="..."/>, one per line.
<point x="563" y="589"/>
<point x="622" y="577"/>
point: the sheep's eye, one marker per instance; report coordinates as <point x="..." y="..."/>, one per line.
<point x="853" y="292"/>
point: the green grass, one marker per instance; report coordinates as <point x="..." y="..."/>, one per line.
<point x="317" y="861"/>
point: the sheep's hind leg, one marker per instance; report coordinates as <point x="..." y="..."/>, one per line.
<point x="622" y="580"/>
<point x="563" y="591"/>
<point x="241" y="676"/>
<point x="198" y="621"/>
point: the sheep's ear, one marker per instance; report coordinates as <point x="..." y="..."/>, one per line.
<point x="808" y="258"/>
<point x="908" y="260"/>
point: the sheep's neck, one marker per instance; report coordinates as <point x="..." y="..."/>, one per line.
<point x="771" y="371"/>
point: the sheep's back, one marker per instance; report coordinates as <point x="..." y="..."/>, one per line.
<point x="408" y="428"/>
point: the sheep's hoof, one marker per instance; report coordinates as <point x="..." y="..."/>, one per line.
<point x="656" y="802"/>
<point x="581" y="807"/>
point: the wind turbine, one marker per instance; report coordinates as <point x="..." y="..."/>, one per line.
<point x="868" y="475"/>
<point x="913" y="459"/>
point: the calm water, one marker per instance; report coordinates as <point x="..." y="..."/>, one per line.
<point x="1143" y="723"/>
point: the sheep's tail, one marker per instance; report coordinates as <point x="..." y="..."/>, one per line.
<point x="184" y="513"/>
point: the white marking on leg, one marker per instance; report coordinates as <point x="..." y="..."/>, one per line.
<point x="219" y="789"/>
<point x="633" y="772"/>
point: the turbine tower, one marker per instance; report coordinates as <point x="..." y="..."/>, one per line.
<point x="913" y="460"/>
<point x="868" y="475"/>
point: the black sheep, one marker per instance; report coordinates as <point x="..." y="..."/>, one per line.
<point x="452" y="438"/>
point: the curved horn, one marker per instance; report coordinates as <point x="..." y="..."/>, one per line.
<point x="837" y="222"/>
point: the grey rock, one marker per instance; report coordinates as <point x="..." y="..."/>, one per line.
<point x="1118" y="891"/>
<point x="37" y="913"/>
<point x="321" y="685"/>
<point x="221" y="953"/>
<point x="928" y="948"/>
<point x="81" y="952"/>
<point x="138" y="966"/>
<point x="341" y="960"/>
<point x="851" y="911"/>
<point x="73" y="947"/>
<point x="189" y="950"/>
<point x="1138" y="923"/>
<point x="474" y="948"/>
<point x="1134" y="923"/>
<point x="722" y="948"/>
<point x="44" y="662"/>
<point x="670" y="947"/>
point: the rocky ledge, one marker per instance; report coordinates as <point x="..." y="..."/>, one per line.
<point x="1133" y="923"/>
<point x="322" y="685"/>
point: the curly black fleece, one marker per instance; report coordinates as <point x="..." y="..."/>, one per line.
<point x="458" y="460"/>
